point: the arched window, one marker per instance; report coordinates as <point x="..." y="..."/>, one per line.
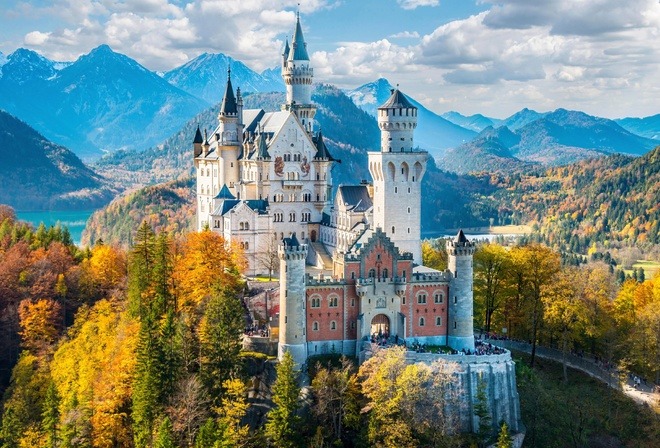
<point x="439" y="298"/>
<point x="247" y="226"/>
<point x="316" y="302"/>
<point x="422" y="322"/>
<point x="385" y="273"/>
<point x="372" y="273"/>
<point x="333" y="325"/>
<point x="421" y="298"/>
<point x="438" y="321"/>
<point x="240" y="226"/>
<point x="333" y="302"/>
<point x="315" y="326"/>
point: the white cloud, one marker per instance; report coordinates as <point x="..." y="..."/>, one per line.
<point x="406" y="35"/>
<point x="412" y="4"/>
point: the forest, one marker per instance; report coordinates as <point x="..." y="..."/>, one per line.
<point x="141" y="347"/>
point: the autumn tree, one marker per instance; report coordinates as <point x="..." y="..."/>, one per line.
<point x="108" y="266"/>
<point x="491" y="265"/>
<point x="231" y="412"/>
<point x="267" y="257"/>
<point x="40" y="324"/>
<point x="283" y="425"/>
<point x="504" y="439"/>
<point x="434" y="254"/>
<point x="188" y="408"/>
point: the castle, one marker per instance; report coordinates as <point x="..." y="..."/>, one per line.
<point x="350" y="265"/>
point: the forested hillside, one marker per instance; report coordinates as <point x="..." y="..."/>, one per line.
<point x="37" y="174"/>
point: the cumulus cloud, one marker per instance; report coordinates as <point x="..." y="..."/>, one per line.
<point x="406" y="35"/>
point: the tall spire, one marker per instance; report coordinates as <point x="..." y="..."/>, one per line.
<point x="299" y="50"/>
<point x="285" y="54"/>
<point x="229" y="100"/>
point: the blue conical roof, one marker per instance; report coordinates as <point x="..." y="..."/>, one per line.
<point x="285" y="54"/>
<point x="397" y="101"/>
<point x="229" y="100"/>
<point x="198" y="136"/>
<point x="299" y="52"/>
<point x="225" y="193"/>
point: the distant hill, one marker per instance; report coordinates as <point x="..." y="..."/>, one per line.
<point x="36" y="174"/>
<point x="648" y="127"/>
<point x="521" y="118"/>
<point x="348" y="131"/>
<point x="102" y="102"/>
<point x="167" y="207"/>
<point x="476" y="122"/>
<point x="206" y="77"/>
<point x="433" y="133"/>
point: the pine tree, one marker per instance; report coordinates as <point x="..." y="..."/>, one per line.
<point x="50" y="416"/>
<point x="165" y="437"/>
<point x="482" y="411"/>
<point x="282" y="427"/>
<point x="504" y="440"/>
<point x="140" y="267"/>
<point x="208" y="434"/>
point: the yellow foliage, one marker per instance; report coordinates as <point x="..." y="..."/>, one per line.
<point x="108" y="266"/>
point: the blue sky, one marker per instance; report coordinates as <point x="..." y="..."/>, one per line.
<point x="473" y="56"/>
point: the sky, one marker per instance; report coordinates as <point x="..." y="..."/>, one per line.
<point x="493" y="57"/>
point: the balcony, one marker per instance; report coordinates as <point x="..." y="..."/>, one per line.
<point x="292" y="183"/>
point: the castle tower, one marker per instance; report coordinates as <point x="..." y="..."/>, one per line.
<point x="292" y="299"/>
<point x="460" y="317"/>
<point x="230" y="136"/>
<point x="298" y="75"/>
<point x="397" y="171"/>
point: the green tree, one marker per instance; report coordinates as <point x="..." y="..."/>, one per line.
<point x="140" y="270"/>
<point x="504" y="440"/>
<point x="283" y="425"/>
<point x="50" y="416"/>
<point x="208" y="434"/>
<point x="164" y="438"/>
<point x="482" y="411"/>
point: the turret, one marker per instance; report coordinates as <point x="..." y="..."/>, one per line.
<point x="197" y="143"/>
<point x="285" y="53"/>
<point x="293" y="338"/>
<point x="298" y="76"/>
<point x="460" y="317"/>
<point x="229" y="135"/>
<point x="205" y="145"/>
<point x="397" y="171"/>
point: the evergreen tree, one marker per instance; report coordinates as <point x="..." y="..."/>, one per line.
<point x="208" y="434"/>
<point x="641" y="275"/>
<point x="140" y="267"/>
<point x="50" y="416"/>
<point x="165" y="437"/>
<point x="11" y="429"/>
<point x="504" y="440"/>
<point x="482" y="411"/>
<point x="220" y="339"/>
<point x="282" y="427"/>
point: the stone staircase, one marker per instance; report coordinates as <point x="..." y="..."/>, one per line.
<point x="323" y="258"/>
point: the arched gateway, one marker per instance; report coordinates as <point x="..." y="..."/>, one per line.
<point x="380" y="325"/>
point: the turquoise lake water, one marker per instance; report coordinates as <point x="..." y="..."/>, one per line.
<point x="75" y="221"/>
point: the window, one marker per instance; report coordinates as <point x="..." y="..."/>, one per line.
<point x="292" y="216"/>
<point x="393" y="230"/>
<point x="353" y="301"/>
<point x="403" y="273"/>
<point x="333" y="325"/>
<point x="438" y="321"/>
<point x="439" y="298"/>
<point x="333" y="302"/>
<point x="385" y="273"/>
<point x="352" y="275"/>
<point x="421" y="298"/>
<point x="372" y="273"/>
<point x="396" y="189"/>
<point x="454" y="325"/>
<point x="315" y="326"/>
<point x="455" y="299"/>
<point x="422" y="321"/>
<point x="408" y="209"/>
<point x="316" y="302"/>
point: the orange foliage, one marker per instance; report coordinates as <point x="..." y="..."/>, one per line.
<point x="39" y="323"/>
<point x="108" y="266"/>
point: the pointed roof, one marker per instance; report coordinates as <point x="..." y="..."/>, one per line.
<point x="461" y="238"/>
<point x="229" y="101"/>
<point x="198" y="136"/>
<point x="321" y="150"/>
<point x="299" y="52"/>
<point x="291" y="242"/>
<point x="285" y="54"/>
<point x="397" y="101"/>
<point x="225" y="193"/>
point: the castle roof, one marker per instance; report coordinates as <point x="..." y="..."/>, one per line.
<point x="355" y="197"/>
<point x="299" y="50"/>
<point x="291" y="242"/>
<point x="225" y="193"/>
<point x="262" y="148"/>
<point x="229" y="100"/>
<point x="258" y="205"/>
<point x="397" y="101"/>
<point x="461" y="238"/>
<point x="321" y="150"/>
<point x="285" y="54"/>
<point x="251" y="118"/>
<point x="198" y="136"/>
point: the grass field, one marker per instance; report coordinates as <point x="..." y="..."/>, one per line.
<point x="584" y="413"/>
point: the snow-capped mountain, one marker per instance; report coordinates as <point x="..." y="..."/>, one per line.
<point x="206" y="76"/>
<point x="433" y="132"/>
<point x="102" y="102"/>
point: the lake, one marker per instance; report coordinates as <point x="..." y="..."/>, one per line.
<point x="75" y="221"/>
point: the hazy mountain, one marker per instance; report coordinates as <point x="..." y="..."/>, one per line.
<point x="476" y="122"/>
<point x="37" y="174"/>
<point x="521" y="118"/>
<point x="206" y="77"/>
<point x="433" y="132"/>
<point x="648" y="127"/>
<point x="102" y="102"/>
<point x="3" y="60"/>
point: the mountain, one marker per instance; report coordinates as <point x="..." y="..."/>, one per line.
<point x="348" y="131"/>
<point x="565" y="136"/>
<point x="488" y="152"/>
<point x="3" y="60"/>
<point x="521" y="118"/>
<point x="433" y="133"/>
<point x="102" y="102"/>
<point x="475" y="122"/>
<point x="37" y="174"/>
<point x="648" y="127"/>
<point x="206" y="77"/>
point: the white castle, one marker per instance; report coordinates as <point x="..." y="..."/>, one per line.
<point x="350" y="265"/>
